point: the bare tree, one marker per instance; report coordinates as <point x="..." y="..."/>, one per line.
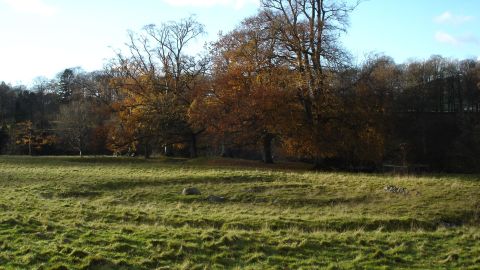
<point x="74" y="124"/>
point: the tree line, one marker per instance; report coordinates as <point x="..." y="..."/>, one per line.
<point x="278" y="86"/>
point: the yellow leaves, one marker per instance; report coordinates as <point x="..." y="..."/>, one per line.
<point x="26" y="134"/>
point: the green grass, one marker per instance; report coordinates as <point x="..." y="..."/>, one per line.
<point x="116" y="213"/>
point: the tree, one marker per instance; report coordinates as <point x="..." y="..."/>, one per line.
<point x="7" y="103"/>
<point x="308" y="32"/>
<point x="368" y="110"/>
<point x="75" y="124"/>
<point x="4" y="137"/>
<point x="25" y="136"/>
<point x="246" y="103"/>
<point x="34" y="139"/>
<point x="158" y="82"/>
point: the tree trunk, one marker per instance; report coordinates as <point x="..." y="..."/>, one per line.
<point x="318" y="163"/>
<point x="193" y="146"/>
<point x="80" y="146"/>
<point x="168" y="150"/>
<point x="30" y="143"/>
<point x="267" y="148"/>
<point x="146" y="150"/>
<point x="225" y="151"/>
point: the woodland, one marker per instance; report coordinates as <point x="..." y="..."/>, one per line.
<point x="279" y="87"/>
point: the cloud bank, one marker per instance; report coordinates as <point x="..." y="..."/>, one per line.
<point x="237" y="4"/>
<point x="37" y="7"/>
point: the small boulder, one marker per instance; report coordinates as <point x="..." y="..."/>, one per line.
<point x="216" y="199"/>
<point x="394" y="189"/>
<point x="191" y="191"/>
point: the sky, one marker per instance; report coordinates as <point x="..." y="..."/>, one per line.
<point x="40" y="38"/>
<point x="415" y="29"/>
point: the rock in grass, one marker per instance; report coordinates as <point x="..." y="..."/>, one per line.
<point x="216" y="199"/>
<point x="191" y="191"/>
<point x="394" y="189"/>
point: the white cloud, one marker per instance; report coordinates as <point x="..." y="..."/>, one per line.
<point x="449" y="18"/>
<point x="467" y="39"/>
<point x="237" y="4"/>
<point x="443" y="37"/>
<point x="38" y="7"/>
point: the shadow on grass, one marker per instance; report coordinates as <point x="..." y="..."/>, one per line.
<point x="131" y="184"/>
<point x="307" y="226"/>
<point x="79" y="194"/>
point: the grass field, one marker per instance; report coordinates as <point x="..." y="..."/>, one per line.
<point x="115" y="213"/>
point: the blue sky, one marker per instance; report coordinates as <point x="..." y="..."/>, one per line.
<point x="415" y="29"/>
<point x="42" y="37"/>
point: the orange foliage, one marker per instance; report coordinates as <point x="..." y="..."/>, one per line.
<point x="249" y="97"/>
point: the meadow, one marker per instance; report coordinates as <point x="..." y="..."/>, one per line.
<point x="129" y="213"/>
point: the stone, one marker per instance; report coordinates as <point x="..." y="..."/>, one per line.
<point x="191" y="191"/>
<point x="394" y="189"/>
<point x="216" y="199"/>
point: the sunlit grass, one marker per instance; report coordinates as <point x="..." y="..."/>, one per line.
<point x="121" y="213"/>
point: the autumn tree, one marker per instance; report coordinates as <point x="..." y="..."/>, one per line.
<point x="247" y="103"/>
<point x="158" y="81"/>
<point x="24" y="135"/>
<point x="368" y="110"/>
<point x="27" y="135"/>
<point x="308" y="33"/>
